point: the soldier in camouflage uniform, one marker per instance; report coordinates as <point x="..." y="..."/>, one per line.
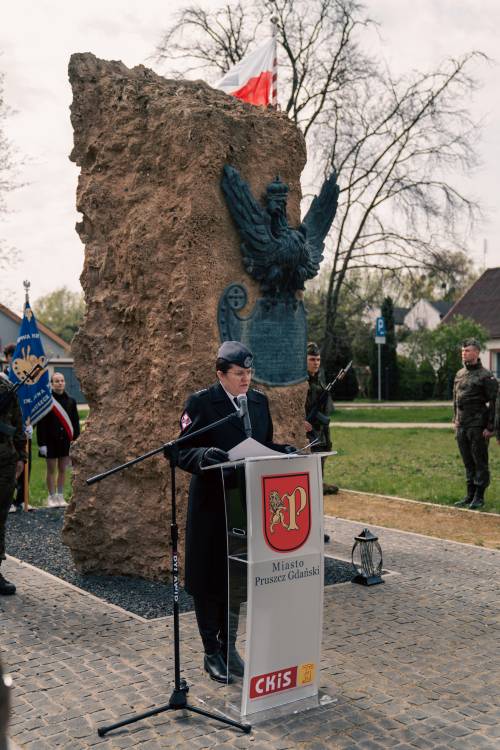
<point x="12" y="458"/>
<point x="474" y="394"/>
<point x="497" y="418"/>
<point x="320" y="426"/>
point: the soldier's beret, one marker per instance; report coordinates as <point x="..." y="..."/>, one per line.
<point x="472" y="342"/>
<point x="313" y="349"/>
<point x="235" y="353"/>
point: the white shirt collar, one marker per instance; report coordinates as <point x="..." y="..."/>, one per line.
<point x="230" y="397"/>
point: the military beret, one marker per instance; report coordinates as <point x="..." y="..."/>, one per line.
<point x="472" y="342"/>
<point x="235" y="353"/>
<point x="313" y="349"/>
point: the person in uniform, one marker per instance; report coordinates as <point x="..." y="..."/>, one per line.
<point x="474" y="395"/>
<point x="206" y="542"/>
<point x="497" y="418"/>
<point x="18" y="499"/>
<point x="320" y="425"/>
<point x="12" y="459"/>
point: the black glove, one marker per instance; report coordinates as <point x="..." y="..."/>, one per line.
<point x="213" y="456"/>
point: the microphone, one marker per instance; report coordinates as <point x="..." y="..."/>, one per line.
<point x="243" y="414"/>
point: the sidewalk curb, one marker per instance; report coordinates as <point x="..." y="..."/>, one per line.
<point x="421" y="502"/>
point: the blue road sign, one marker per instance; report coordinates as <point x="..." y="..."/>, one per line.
<point x="380" y="327"/>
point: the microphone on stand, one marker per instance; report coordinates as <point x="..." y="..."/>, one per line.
<point x="243" y="414"/>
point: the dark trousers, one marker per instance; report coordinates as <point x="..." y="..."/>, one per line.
<point x="7" y="486"/>
<point x="19" y="498"/>
<point x="473" y="448"/>
<point x="218" y="626"/>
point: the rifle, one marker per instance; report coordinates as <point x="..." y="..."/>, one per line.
<point x="315" y="414"/>
<point x="6" y="399"/>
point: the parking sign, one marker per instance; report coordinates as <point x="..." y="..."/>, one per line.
<point x="380" y="331"/>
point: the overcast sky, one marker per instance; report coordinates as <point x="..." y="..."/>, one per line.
<point x="37" y="39"/>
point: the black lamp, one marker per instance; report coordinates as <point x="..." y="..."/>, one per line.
<point x="366" y="557"/>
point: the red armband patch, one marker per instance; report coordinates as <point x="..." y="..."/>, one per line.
<point x="185" y="421"/>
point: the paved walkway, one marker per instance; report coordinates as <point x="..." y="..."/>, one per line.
<point x="413" y="663"/>
<point x="391" y="404"/>
<point x="399" y="425"/>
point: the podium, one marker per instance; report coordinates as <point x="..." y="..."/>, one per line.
<point x="274" y="523"/>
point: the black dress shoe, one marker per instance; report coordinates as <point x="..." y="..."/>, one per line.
<point x="6" y="587"/>
<point x="216" y="667"/>
<point x="235" y="662"/>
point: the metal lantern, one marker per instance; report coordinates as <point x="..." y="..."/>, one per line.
<point x="366" y="557"/>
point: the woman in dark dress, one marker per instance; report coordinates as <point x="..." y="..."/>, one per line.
<point x="55" y="433"/>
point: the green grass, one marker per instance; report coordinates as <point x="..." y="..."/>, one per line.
<point x="393" y="414"/>
<point x="414" y="463"/>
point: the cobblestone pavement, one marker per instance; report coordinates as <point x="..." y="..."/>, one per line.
<point x="412" y="663"/>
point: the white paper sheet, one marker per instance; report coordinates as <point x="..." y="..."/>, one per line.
<point x="251" y="448"/>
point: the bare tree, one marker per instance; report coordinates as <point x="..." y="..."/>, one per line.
<point x="397" y="145"/>
<point x="7" y="174"/>
<point x="319" y="60"/>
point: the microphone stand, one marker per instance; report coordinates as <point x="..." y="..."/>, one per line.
<point x="178" y="700"/>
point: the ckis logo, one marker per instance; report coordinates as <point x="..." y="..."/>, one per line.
<point x="282" y="679"/>
<point x="286" y="510"/>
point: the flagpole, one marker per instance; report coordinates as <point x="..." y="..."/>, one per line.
<point x="274" y="81"/>
<point x="30" y="376"/>
<point x="26" y="493"/>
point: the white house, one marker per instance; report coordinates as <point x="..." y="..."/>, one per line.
<point x="426" y="314"/>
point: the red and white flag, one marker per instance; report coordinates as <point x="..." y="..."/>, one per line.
<point x="254" y="78"/>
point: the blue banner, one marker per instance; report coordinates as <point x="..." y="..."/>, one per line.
<point x="35" y="396"/>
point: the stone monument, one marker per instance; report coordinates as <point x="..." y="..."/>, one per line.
<point x="160" y="248"/>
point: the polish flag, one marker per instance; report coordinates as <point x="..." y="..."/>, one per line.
<point x="254" y="79"/>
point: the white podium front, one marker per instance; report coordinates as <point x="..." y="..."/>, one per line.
<point x="274" y="517"/>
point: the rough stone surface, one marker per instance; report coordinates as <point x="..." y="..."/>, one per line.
<point x="159" y="249"/>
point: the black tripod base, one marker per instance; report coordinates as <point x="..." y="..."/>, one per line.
<point x="177" y="702"/>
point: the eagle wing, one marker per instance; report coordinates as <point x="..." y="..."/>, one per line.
<point x="318" y="221"/>
<point x="259" y="247"/>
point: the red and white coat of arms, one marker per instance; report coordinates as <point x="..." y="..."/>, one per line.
<point x="286" y="510"/>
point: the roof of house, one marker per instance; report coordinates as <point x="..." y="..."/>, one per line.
<point x="442" y="306"/>
<point x="481" y="303"/>
<point x="41" y="327"/>
<point x="399" y="315"/>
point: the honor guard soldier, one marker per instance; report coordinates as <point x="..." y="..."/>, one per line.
<point x="206" y="541"/>
<point x="320" y="426"/>
<point x="474" y="395"/>
<point x="12" y="459"/>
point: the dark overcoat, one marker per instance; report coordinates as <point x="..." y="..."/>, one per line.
<point x="206" y="543"/>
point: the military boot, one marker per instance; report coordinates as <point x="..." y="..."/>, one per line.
<point x="330" y="489"/>
<point x="6" y="587"/>
<point x="467" y="500"/>
<point x="478" y="500"/>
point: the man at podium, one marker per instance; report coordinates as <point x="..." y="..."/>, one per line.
<point x="206" y="542"/>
